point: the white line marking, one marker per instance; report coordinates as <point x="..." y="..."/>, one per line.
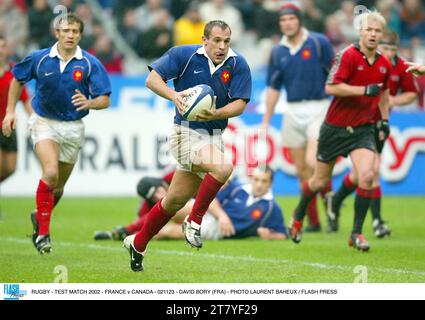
<point x="316" y="265"/>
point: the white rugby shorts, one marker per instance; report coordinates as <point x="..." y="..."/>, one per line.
<point x="302" y="122"/>
<point x="68" y="134"/>
<point x="185" y="143"/>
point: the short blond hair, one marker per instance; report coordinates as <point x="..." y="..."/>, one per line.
<point x="364" y="18"/>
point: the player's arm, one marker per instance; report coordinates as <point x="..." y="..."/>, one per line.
<point x="403" y="99"/>
<point x="269" y="234"/>
<point x="346" y="90"/>
<point x="272" y="97"/>
<point x="28" y="107"/>
<point x="9" y="122"/>
<point x="155" y="83"/>
<point x="384" y="105"/>
<point x="231" y="110"/>
<point x="226" y="226"/>
<point x="416" y="68"/>
<point x="80" y="101"/>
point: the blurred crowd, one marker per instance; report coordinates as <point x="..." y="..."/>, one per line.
<point x="150" y="27"/>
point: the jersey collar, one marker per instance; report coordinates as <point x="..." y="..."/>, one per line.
<point x="377" y="54"/>
<point x="214" y="68"/>
<point x="55" y="53"/>
<point x="294" y="49"/>
<point x="251" y="200"/>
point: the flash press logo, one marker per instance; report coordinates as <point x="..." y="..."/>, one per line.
<point x="13" y="292"/>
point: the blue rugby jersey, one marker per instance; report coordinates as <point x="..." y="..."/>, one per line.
<point x="188" y="66"/>
<point x="55" y="87"/>
<point x="304" y="72"/>
<point x="248" y="214"/>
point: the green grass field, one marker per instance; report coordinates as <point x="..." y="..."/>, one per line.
<point x="319" y="258"/>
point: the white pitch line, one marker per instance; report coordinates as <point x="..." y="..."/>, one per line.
<point x="316" y="265"/>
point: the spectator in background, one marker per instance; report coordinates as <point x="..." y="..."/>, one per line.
<point x="179" y="7"/>
<point x="327" y="7"/>
<point x="259" y="20"/>
<point x="119" y="9"/>
<point x="86" y="15"/>
<point x="189" y="29"/>
<point x="13" y="26"/>
<point x="222" y="10"/>
<point x="159" y="38"/>
<point x="69" y="4"/>
<point x="334" y="33"/>
<point x="412" y="21"/>
<point x="130" y="31"/>
<point x="345" y="18"/>
<point x="390" y="10"/>
<point x="104" y="51"/>
<point x="312" y="17"/>
<point x="39" y="16"/>
<point x="149" y="14"/>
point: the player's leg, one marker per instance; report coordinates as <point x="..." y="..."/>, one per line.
<point x="310" y="163"/>
<point x="295" y="136"/>
<point x="65" y="170"/>
<point x="348" y="186"/>
<point x="321" y="176"/>
<point x="7" y="164"/>
<point x="47" y="152"/>
<point x="171" y="231"/>
<point x="363" y="162"/>
<point x="8" y="155"/>
<point x="218" y="169"/>
<point x="183" y="187"/>
<point x="379" y="227"/>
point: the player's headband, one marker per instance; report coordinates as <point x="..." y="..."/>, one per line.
<point x="290" y="9"/>
<point x="388" y="43"/>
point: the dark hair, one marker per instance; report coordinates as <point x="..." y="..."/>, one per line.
<point x="71" y="18"/>
<point x="390" y="38"/>
<point x="266" y="169"/>
<point x="215" y="23"/>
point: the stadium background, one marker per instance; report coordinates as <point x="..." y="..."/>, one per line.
<point x="129" y="140"/>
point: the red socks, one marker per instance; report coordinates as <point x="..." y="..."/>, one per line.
<point x="312" y="213"/>
<point x="327" y="189"/>
<point x="206" y="194"/>
<point x="154" y="221"/>
<point x="45" y="202"/>
<point x="136" y="226"/>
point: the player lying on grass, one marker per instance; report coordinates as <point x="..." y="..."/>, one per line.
<point x="239" y="211"/>
<point x="403" y="91"/>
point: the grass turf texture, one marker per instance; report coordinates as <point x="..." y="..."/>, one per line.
<point x="319" y="258"/>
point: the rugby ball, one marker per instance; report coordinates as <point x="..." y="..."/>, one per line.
<point x="200" y="97"/>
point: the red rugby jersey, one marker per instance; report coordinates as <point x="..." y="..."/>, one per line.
<point x="352" y="67"/>
<point x="5" y="80"/>
<point x="401" y="80"/>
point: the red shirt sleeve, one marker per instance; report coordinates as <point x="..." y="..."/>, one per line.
<point x="408" y="82"/>
<point x="341" y="69"/>
<point x="387" y="83"/>
<point x="24" y="95"/>
<point x="168" y="177"/>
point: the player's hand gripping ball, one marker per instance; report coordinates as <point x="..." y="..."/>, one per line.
<point x="198" y="99"/>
